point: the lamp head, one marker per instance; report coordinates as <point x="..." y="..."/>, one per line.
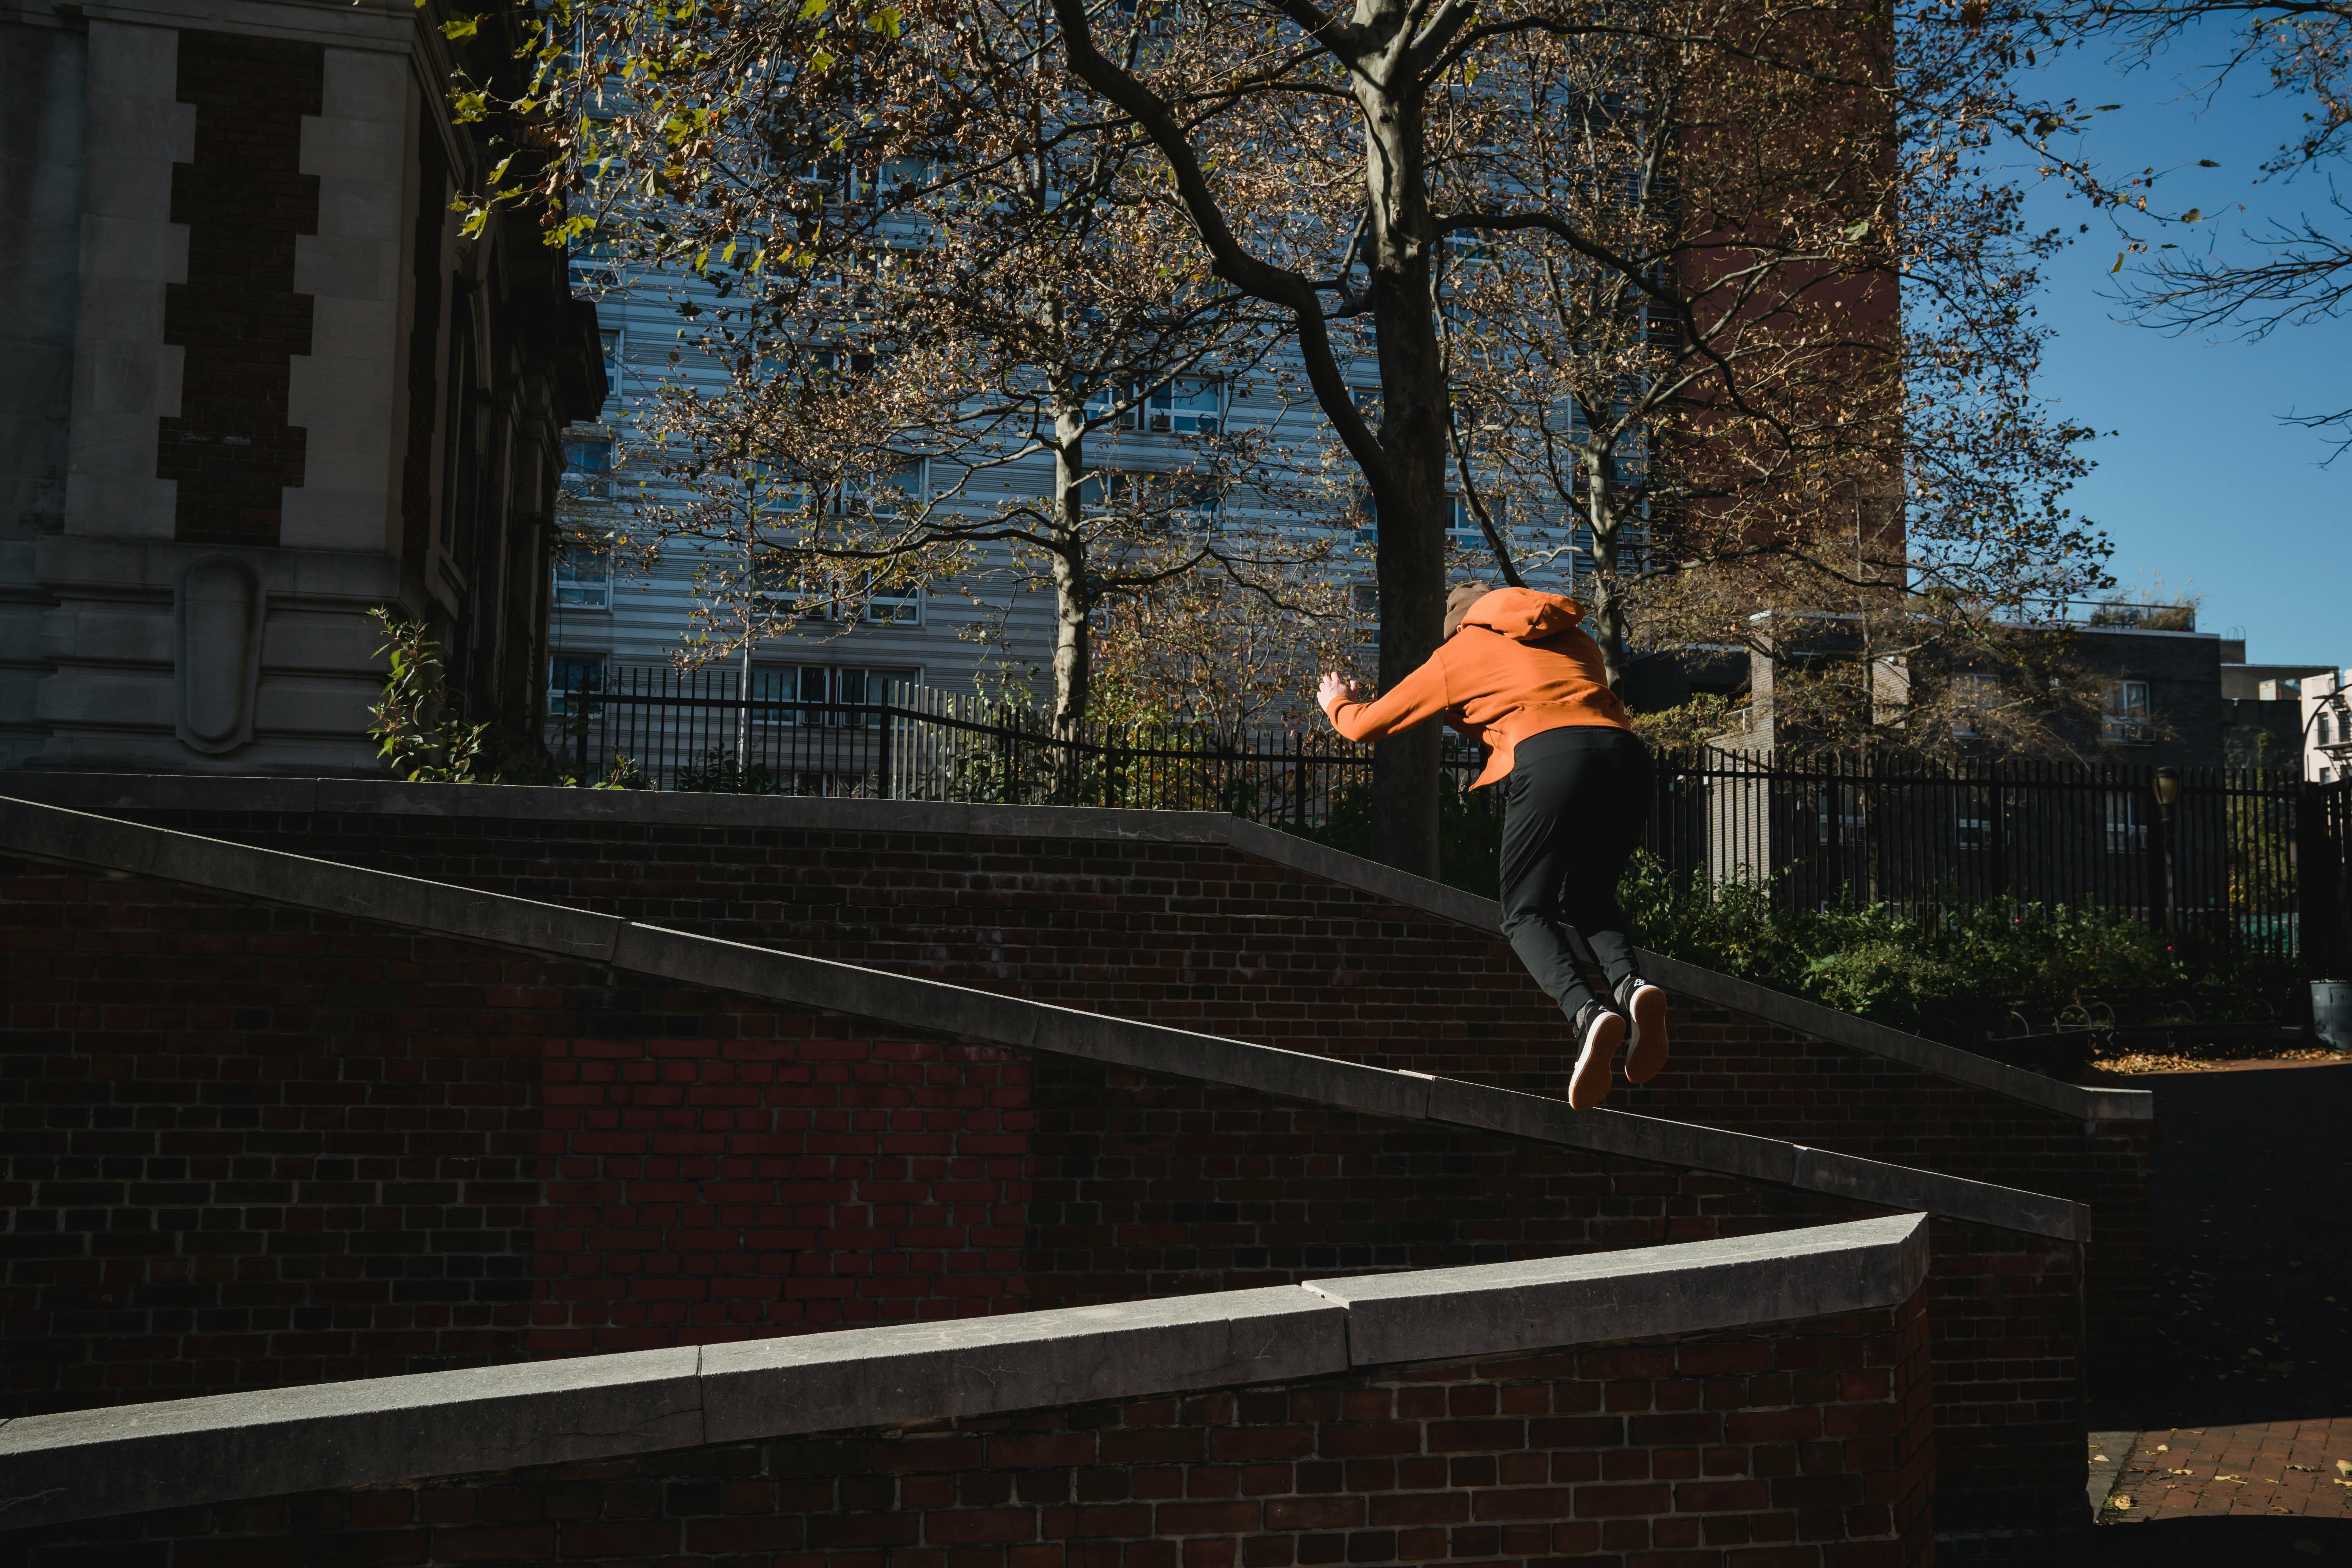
<point x="2167" y="786"/>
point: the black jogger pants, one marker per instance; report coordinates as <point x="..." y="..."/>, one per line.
<point x="1573" y="808"/>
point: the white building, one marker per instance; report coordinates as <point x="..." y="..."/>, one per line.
<point x="2326" y="725"/>
<point x="984" y="631"/>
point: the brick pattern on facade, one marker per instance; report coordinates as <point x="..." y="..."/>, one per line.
<point x="251" y="1146"/>
<point x="245" y="199"/>
<point x="1205" y="938"/>
<point x="1803" y="1446"/>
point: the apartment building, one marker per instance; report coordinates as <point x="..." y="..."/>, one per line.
<point x="990" y="630"/>
<point x="2325" y="702"/>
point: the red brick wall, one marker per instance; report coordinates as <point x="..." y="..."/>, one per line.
<point x="244" y="199"/>
<point x="1203" y="937"/>
<point x="250" y="1146"/>
<point x="1804" y="1444"/>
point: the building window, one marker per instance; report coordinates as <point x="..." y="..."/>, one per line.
<point x="1367" y="599"/>
<point x="2324" y="732"/>
<point x="588" y="467"/>
<point x="1462" y="530"/>
<point x="1972" y="822"/>
<point x="1170" y="504"/>
<point x="571" y="677"/>
<point x="2126" y="722"/>
<point x="814" y="599"/>
<point x="886" y="491"/>
<point x="583" y="577"/>
<point x="826" y="695"/>
<point x="2126" y="825"/>
<point x="1842" y="817"/>
<point x="1974" y="695"/>
<point x="613" y="340"/>
<point x="900" y="606"/>
<point x="1188" y="405"/>
<point x="1185" y="405"/>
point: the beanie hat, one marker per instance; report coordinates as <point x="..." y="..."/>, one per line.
<point x="1458" y="602"/>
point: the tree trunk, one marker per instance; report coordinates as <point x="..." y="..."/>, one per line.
<point x="1608" y="602"/>
<point x="1414" y="406"/>
<point x="1072" y="597"/>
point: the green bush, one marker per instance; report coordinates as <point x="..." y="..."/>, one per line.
<point x="1903" y="967"/>
<point x="1894" y="965"/>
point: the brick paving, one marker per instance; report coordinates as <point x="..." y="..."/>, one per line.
<point x="2261" y="1468"/>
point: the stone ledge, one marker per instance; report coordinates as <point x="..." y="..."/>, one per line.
<point x="182" y="1453"/>
<point x="124" y="792"/>
<point x="985" y="1017"/>
<point x="1491" y="1308"/>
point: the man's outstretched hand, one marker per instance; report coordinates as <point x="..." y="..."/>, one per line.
<point x="1336" y="688"/>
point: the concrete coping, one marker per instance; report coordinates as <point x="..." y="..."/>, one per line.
<point x="296" y="797"/>
<point x="182" y="1453"/>
<point x="933" y="1006"/>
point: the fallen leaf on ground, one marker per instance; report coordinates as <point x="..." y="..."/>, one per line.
<point x="2344" y="1467"/>
<point x="2313" y="1468"/>
<point x="2119" y="1502"/>
<point x="2229" y="1477"/>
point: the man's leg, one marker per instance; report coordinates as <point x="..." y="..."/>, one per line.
<point x="1543" y="841"/>
<point x="1610" y="811"/>
<point x="1589" y="897"/>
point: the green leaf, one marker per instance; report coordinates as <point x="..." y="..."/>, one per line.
<point x="461" y="27"/>
<point x="2118" y="267"/>
<point x="1856" y="232"/>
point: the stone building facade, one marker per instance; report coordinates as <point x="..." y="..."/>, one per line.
<point x="258" y="384"/>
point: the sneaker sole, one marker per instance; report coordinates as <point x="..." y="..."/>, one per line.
<point x="1588" y="1086"/>
<point x="1649" y="1053"/>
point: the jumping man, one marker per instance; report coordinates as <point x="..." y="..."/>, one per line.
<point x="1515" y="673"/>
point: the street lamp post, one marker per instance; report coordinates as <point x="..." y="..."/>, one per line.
<point x="2166" y="789"/>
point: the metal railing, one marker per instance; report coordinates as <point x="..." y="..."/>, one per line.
<point x="698" y="729"/>
<point x="2221" y="861"/>
<point x="2218" y="860"/>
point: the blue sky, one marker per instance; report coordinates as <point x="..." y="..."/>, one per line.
<point x="2202" y="489"/>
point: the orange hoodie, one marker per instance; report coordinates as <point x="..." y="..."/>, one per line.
<point x="1517" y="667"/>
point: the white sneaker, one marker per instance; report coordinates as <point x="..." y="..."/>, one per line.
<point x="1600" y="1030"/>
<point x="1646" y="1005"/>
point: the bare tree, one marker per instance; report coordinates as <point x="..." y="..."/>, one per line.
<point x="900" y="324"/>
<point x="2285" y="274"/>
<point x="1318" y="165"/>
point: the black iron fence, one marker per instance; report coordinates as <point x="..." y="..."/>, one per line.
<point x="701" y="730"/>
<point x="2213" y="851"/>
<point x="2205" y="850"/>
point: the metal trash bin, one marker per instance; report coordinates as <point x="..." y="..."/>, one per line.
<point x="2331" y="1013"/>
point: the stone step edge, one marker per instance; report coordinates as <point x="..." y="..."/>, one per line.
<point x="134" y="792"/>
<point x="106" y="844"/>
<point x="229" y="1448"/>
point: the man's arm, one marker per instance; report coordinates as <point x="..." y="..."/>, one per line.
<point x="1417" y="699"/>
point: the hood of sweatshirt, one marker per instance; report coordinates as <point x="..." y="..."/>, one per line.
<point x="1525" y="615"/>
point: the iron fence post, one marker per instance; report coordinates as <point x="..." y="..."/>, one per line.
<point x="2320" y="878"/>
